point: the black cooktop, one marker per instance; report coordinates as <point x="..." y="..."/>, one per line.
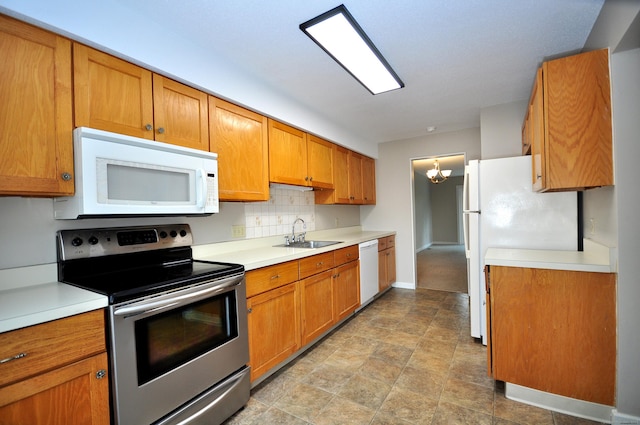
<point x="131" y="263"/>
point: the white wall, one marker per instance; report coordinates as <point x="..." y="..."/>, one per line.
<point x="625" y="72"/>
<point x="394" y="175"/>
<point x="422" y="209"/>
<point x="501" y="129"/>
<point x="444" y="210"/>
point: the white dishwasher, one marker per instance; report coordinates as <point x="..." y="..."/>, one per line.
<point x="368" y="271"/>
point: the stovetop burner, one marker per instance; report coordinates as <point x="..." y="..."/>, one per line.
<point x="128" y="263"/>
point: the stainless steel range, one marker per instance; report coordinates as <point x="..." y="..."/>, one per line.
<point x="177" y="328"/>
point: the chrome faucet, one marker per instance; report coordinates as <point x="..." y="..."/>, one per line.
<point x="293" y="231"/>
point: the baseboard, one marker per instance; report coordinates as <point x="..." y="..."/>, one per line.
<point x="570" y="406"/>
<point x="618" y="418"/>
<point x="404" y="285"/>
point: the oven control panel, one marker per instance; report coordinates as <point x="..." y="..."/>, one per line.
<point x="87" y="243"/>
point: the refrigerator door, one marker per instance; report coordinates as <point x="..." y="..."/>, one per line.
<point x="471" y="227"/>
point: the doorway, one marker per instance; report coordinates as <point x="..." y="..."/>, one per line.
<point x="437" y="212"/>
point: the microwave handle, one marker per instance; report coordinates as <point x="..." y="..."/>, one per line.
<point x="201" y="187"/>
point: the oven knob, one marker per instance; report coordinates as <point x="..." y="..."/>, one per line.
<point x="93" y="240"/>
<point x="183" y="233"/>
<point x="173" y="233"/>
<point x="163" y="234"/>
<point x="76" y="241"/>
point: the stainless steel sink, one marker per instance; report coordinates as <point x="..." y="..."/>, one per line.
<point x="309" y="244"/>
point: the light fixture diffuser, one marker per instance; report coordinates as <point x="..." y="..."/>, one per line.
<point x="338" y="34"/>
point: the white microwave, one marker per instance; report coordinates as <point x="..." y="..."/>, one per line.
<point x="118" y="175"/>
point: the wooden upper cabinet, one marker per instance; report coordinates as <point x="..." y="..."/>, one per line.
<point x="368" y="180"/>
<point x="287" y="154"/>
<point x="240" y="138"/>
<point x="36" y="145"/>
<point x="114" y="95"/>
<point x="319" y="162"/>
<point x="341" y="174"/>
<point x="111" y="94"/>
<point x="356" y="195"/>
<point x="180" y="113"/>
<point x="576" y="149"/>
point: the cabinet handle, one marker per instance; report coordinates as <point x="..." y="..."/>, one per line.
<point x="319" y="264"/>
<point x="148" y="127"/>
<point x="66" y="176"/>
<point x="275" y="277"/>
<point x="16" y="357"/>
<point x="538" y="177"/>
<point x="249" y="310"/>
<point x="161" y="130"/>
<point x="101" y="374"/>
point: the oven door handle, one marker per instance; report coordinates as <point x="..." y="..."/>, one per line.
<point x="152" y="306"/>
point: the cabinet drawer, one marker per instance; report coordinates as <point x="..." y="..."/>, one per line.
<point x="382" y="244"/>
<point x="267" y="278"/>
<point x="391" y="241"/>
<point x="51" y="345"/>
<point x="344" y="255"/>
<point x="316" y="264"/>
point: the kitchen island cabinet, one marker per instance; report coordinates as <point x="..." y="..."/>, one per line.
<point x="57" y="373"/>
<point x="240" y="138"/>
<point x="36" y="145"/>
<point x="114" y="95"/>
<point x="553" y="330"/>
<point x="568" y="124"/>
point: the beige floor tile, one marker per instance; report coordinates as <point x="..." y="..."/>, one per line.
<point x="376" y="368"/>
<point x="451" y="414"/>
<point x="468" y="395"/>
<point x="328" y="378"/>
<point x="341" y="411"/>
<point x="365" y="391"/>
<point x="409" y="406"/>
<point x="304" y="401"/>
<point x="520" y="413"/>
<point x="421" y="381"/>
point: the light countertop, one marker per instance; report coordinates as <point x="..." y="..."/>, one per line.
<point x="256" y="253"/>
<point x="32" y="295"/>
<point x="595" y="258"/>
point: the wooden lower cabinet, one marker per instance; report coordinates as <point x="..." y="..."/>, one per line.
<point x="346" y="289"/>
<point x="274" y="327"/>
<point x="63" y="376"/>
<point x="554" y="331"/>
<point x="386" y="262"/>
<point x="71" y="395"/>
<point x="316" y="305"/>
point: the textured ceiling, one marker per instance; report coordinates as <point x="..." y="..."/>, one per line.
<point x="455" y="57"/>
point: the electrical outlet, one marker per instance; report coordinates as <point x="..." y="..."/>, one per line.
<point x="238" y="231"/>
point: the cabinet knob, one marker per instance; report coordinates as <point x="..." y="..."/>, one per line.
<point x="148" y="127"/>
<point x="101" y="374"/>
<point x="538" y="177"/>
<point x="249" y="310"/>
<point x="161" y="130"/>
<point x="66" y="176"/>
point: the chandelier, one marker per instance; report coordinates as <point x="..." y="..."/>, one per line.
<point x="436" y="175"/>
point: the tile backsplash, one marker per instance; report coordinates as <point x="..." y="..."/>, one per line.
<point x="276" y="216"/>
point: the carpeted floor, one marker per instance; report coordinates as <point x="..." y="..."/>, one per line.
<point x="443" y="268"/>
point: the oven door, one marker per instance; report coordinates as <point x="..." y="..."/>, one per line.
<point x="168" y="349"/>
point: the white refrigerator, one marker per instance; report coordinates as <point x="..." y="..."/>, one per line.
<point x="502" y="211"/>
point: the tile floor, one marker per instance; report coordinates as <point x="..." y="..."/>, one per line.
<point x="405" y="359"/>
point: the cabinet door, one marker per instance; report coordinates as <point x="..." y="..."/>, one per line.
<point x="319" y="162"/>
<point x="274" y="328"/>
<point x="537" y="134"/>
<point x="368" y="180"/>
<point x="341" y="174"/>
<point x="391" y="266"/>
<point x="316" y="303"/>
<point x="111" y="94"/>
<point x="287" y="154"/>
<point x="346" y="289"/>
<point x="555" y="331"/>
<point x="77" y="394"/>
<point x="577" y="100"/>
<point x="382" y="270"/>
<point x="240" y="138"/>
<point x="355" y="178"/>
<point x="36" y="146"/>
<point x="181" y="114"/>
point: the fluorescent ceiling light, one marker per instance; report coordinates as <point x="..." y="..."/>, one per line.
<point x="338" y="34"/>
